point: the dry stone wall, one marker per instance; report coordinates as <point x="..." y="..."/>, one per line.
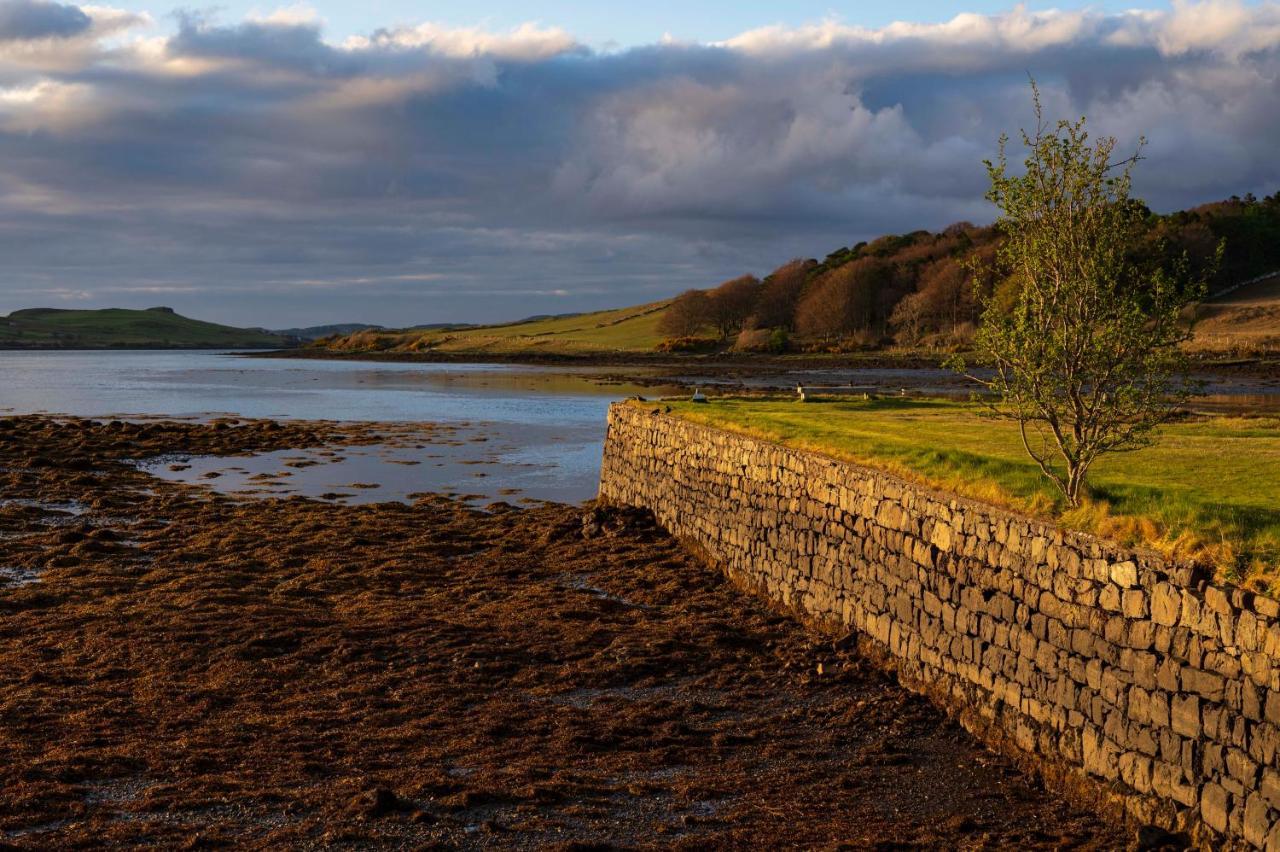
<point x="1118" y="675"/>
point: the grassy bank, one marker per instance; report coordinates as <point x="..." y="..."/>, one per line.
<point x="1206" y="490"/>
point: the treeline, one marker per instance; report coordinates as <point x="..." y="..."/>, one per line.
<point x="926" y="288"/>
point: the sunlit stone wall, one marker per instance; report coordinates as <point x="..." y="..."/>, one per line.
<point x="1119" y="676"/>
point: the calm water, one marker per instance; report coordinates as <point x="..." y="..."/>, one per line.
<point x="202" y="384"/>
<point x="523" y="432"/>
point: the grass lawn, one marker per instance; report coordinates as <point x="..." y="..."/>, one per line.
<point x="1208" y="489"/>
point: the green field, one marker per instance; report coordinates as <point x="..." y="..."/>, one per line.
<point x="626" y="330"/>
<point x="1207" y="489"/>
<point x="118" y="328"/>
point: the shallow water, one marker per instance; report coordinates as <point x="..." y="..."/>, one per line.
<point x="543" y="427"/>
<point x="203" y="384"/>
<point x="476" y="463"/>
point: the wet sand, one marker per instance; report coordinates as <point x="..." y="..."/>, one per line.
<point x="187" y="669"/>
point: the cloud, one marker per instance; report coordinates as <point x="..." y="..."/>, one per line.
<point x="27" y="20"/>
<point x="423" y="172"/>
<point x="526" y="43"/>
<point x="297" y="14"/>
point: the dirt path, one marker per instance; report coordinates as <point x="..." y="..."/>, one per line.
<point x="190" y="670"/>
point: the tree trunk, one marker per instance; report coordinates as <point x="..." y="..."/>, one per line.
<point x="1075" y="481"/>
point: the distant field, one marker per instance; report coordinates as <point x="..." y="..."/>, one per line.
<point x="632" y="329"/>
<point x="1246" y="321"/>
<point x="1206" y="490"/>
<point x="118" y="328"/>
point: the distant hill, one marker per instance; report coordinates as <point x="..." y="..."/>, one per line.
<point x="912" y="292"/>
<point x="315" y="332"/>
<point x="120" y="328"/>
<point x="628" y="330"/>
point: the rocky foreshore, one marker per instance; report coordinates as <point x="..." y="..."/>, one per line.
<point x="185" y="668"/>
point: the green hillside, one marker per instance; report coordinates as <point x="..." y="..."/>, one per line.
<point x="633" y="329"/>
<point x="118" y="328"/>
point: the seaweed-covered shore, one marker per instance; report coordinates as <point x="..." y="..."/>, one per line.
<point x="189" y="669"/>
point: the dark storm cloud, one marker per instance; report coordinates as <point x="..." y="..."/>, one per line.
<point x="258" y="173"/>
<point x="32" y="19"/>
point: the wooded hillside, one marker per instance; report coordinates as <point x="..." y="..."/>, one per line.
<point x="925" y="288"/>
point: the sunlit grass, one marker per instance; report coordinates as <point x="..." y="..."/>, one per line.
<point x="633" y="329"/>
<point x="1209" y="489"/>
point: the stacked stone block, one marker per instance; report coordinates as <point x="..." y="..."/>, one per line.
<point x="1118" y="674"/>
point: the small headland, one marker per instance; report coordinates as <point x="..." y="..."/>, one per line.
<point x="122" y="328"/>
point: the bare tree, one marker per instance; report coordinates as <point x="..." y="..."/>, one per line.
<point x="780" y="293"/>
<point x="732" y="303"/>
<point x="688" y="314"/>
<point x="843" y="300"/>
<point x="910" y="316"/>
<point x="947" y="293"/>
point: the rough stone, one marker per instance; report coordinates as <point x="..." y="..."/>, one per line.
<point x="1185" y="710"/>
<point x="1207" y="685"/>
<point x="1270" y="787"/>
<point x="1124" y="574"/>
<point x="1166" y="604"/>
<point x="1257" y="820"/>
<point x="1213" y="807"/>
<point x="1085" y="654"/>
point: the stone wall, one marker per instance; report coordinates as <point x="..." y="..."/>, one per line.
<point x="1117" y="675"/>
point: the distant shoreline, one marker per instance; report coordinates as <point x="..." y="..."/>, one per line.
<point x="736" y="360"/>
<point x="1261" y="366"/>
<point x="137" y="348"/>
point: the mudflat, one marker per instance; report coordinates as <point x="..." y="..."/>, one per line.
<point x="184" y="669"/>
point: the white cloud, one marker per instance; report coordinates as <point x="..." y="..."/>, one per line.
<point x="228" y="155"/>
<point x="1228" y="27"/>
<point x="296" y="14"/>
<point x="47" y="105"/>
<point x="526" y="43"/>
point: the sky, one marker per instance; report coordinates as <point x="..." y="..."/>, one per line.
<point x="402" y="163"/>
<point x="610" y="26"/>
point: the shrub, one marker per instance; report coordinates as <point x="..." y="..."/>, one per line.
<point x="752" y="340"/>
<point x="688" y="344"/>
